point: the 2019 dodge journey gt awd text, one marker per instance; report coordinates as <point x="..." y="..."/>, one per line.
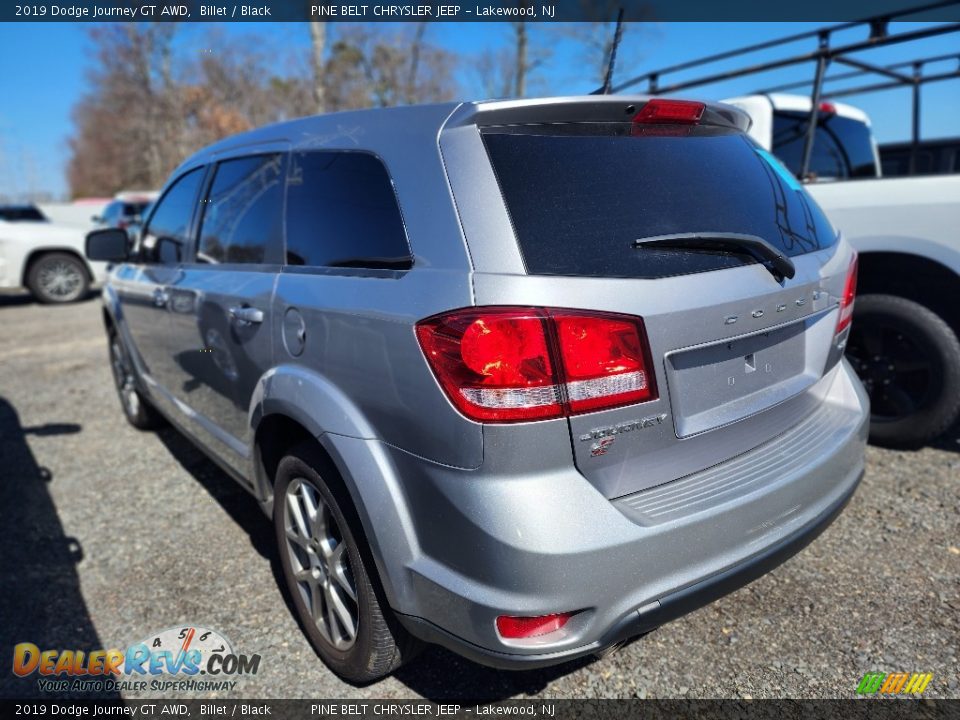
<point x="523" y="378"/>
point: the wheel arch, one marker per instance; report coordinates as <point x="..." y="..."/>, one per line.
<point x="37" y="253"/>
<point x="293" y="406"/>
<point x="914" y="277"/>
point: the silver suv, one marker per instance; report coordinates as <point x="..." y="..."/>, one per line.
<point x="526" y="379"/>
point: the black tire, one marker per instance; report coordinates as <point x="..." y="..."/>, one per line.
<point x="909" y="361"/>
<point x="380" y="644"/>
<point x="58" y="277"/>
<point x="136" y="408"/>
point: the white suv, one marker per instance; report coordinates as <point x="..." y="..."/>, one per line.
<point x="46" y="258"/>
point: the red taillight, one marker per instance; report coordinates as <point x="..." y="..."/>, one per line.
<point x="524" y="627"/>
<point x="493" y="364"/>
<point x="511" y="364"/>
<point x="848" y="297"/>
<point x="828" y="107"/>
<point x="683" y="112"/>
<point x="603" y="360"/>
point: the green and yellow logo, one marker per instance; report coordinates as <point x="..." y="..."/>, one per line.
<point x="874" y="683"/>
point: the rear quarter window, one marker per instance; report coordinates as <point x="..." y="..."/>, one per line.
<point x="342" y="212"/>
<point x="579" y="197"/>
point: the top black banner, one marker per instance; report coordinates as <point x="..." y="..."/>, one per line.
<point x="463" y="11"/>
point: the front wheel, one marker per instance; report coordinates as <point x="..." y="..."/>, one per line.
<point x="328" y="572"/>
<point x="909" y="361"/>
<point x="58" y="278"/>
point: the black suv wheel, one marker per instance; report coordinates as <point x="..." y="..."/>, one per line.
<point x="909" y="361"/>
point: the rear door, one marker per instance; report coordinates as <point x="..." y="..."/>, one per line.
<point x="220" y="300"/>
<point x="738" y="352"/>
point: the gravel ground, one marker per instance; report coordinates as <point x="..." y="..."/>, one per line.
<point x="109" y="534"/>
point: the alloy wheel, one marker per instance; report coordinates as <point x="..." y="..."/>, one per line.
<point x="320" y="563"/>
<point x="60" y="280"/>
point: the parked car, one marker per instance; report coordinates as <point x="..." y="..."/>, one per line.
<point x="904" y="343"/>
<point x="523" y="378"/>
<point x="21" y="213"/>
<point x="126" y="211"/>
<point x="45" y="257"/>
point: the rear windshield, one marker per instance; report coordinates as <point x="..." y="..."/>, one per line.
<point x="842" y="146"/>
<point x="130" y="209"/>
<point x="580" y="196"/>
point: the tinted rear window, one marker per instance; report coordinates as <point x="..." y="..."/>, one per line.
<point x="580" y="197"/>
<point x="841" y="146"/>
<point x="131" y="209"/>
<point x="342" y="212"/>
<point x="20" y="214"/>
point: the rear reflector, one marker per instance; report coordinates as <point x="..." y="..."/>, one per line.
<point x="683" y="112"/>
<point x="848" y="297"/>
<point x="508" y="364"/>
<point x="828" y="107"/>
<point x="524" y="627"/>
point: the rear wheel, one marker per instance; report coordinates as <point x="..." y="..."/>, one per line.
<point x="58" y="278"/>
<point x="909" y="361"/>
<point x="330" y="573"/>
<point x="138" y="411"/>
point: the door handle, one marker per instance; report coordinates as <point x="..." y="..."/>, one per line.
<point x="246" y="315"/>
<point x="161" y="297"/>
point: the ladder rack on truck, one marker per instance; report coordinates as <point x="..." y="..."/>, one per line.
<point x="825" y="53"/>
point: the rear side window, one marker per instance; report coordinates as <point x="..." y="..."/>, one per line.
<point x="841" y="146"/>
<point x="342" y="212"/>
<point x="165" y="238"/>
<point x="243" y="214"/>
<point x="581" y="196"/>
<point x="25" y="213"/>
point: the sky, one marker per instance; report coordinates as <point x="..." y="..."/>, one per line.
<point x="43" y="68"/>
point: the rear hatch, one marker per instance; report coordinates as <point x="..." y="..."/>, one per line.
<point x="739" y="351"/>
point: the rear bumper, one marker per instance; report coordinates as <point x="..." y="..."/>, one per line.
<point x="535" y="540"/>
<point x="651" y="616"/>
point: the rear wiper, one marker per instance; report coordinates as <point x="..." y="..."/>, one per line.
<point x="779" y="265"/>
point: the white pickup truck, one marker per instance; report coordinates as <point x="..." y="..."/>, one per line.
<point x="907" y="231"/>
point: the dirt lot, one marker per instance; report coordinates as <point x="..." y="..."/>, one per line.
<point x="110" y="534"/>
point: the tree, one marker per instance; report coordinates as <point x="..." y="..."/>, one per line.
<point x="509" y="71"/>
<point x="125" y="122"/>
<point x="148" y="108"/>
<point x="596" y="38"/>
<point x="367" y="68"/>
<point x="318" y="45"/>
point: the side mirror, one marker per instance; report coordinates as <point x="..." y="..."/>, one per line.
<point x="108" y="245"/>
